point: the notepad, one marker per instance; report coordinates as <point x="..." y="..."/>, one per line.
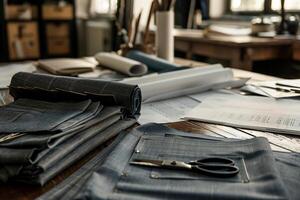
<point x="66" y="66"/>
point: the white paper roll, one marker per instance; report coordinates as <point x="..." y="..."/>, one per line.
<point x="121" y="64"/>
<point x="183" y="82"/>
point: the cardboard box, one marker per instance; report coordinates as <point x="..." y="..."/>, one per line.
<point x="58" y="46"/>
<point x="23" y="40"/>
<point x="296" y="51"/>
<point x="57" y="30"/>
<point x="55" y="12"/>
<point x="24" y="12"/>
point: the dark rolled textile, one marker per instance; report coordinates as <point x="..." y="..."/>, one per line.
<point x="154" y="64"/>
<point x="50" y="87"/>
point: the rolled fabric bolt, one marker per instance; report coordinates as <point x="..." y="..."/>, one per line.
<point x="154" y="63"/>
<point x="50" y="87"/>
<point x="121" y="64"/>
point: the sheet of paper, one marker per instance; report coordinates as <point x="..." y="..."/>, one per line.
<point x="230" y="132"/>
<point x="7" y="72"/>
<point x="268" y="88"/>
<point x="285" y="142"/>
<point x="257" y="113"/>
<point x="290" y="83"/>
<point x="166" y="111"/>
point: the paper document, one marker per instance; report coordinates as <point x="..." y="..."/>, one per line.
<point x="166" y="111"/>
<point x="272" y="89"/>
<point x="257" y="113"/>
<point x="185" y="82"/>
<point x="228" y="30"/>
<point x="286" y="142"/>
<point x="281" y="144"/>
<point x="289" y="83"/>
<point x="7" y="72"/>
<point x="66" y="66"/>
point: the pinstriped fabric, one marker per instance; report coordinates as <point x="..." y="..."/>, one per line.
<point x="114" y="178"/>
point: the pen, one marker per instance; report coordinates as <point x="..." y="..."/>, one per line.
<point x="276" y="88"/>
<point x="146" y="34"/>
<point x="137" y="24"/>
<point x="280" y="89"/>
<point x="171" y="4"/>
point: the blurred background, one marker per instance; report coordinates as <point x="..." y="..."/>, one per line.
<point x="263" y="33"/>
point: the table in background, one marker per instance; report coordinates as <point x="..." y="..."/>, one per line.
<point x="240" y="51"/>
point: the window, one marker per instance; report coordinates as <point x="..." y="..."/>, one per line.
<point x="266" y="6"/>
<point x="289" y="4"/>
<point x="103" y="6"/>
<point x="249" y="5"/>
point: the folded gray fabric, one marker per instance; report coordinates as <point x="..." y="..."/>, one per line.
<point x="48" y="158"/>
<point x="52" y="87"/>
<point x="288" y="165"/>
<point x="76" y="154"/>
<point x="48" y="140"/>
<point x="71" y="185"/>
<point x="115" y="178"/>
<point x="36" y="145"/>
<point x="55" y="121"/>
<point x="30" y="115"/>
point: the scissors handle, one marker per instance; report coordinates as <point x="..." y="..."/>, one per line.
<point x="214" y="161"/>
<point x="215" y="166"/>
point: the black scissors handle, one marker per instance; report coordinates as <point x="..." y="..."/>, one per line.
<point x="215" y="166"/>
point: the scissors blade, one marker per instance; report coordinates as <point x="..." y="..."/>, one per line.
<point x="173" y="164"/>
<point x="11" y="136"/>
<point x="147" y="162"/>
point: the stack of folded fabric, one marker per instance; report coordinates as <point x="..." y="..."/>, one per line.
<point x="54" y="121"/>
<point x="113" y="174"/>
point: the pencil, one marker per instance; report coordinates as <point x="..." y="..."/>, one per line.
<point x="146" y="35"/>
<point x="137" y="27"/>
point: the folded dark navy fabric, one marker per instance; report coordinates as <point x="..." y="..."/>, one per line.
<point x="30" y="115"/>
<point x="54" y="121"/>
<point x="83" y="149"/>
<point x="261" y="177"/>
<point x="49" y="140"/>
<point x="50" y="87"/>
<point x="83" y="142"/>
<point x="32" y="147"/>
<point x="71" y="185"/>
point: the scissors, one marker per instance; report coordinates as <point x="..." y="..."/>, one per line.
<point x="211" y="166"/>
